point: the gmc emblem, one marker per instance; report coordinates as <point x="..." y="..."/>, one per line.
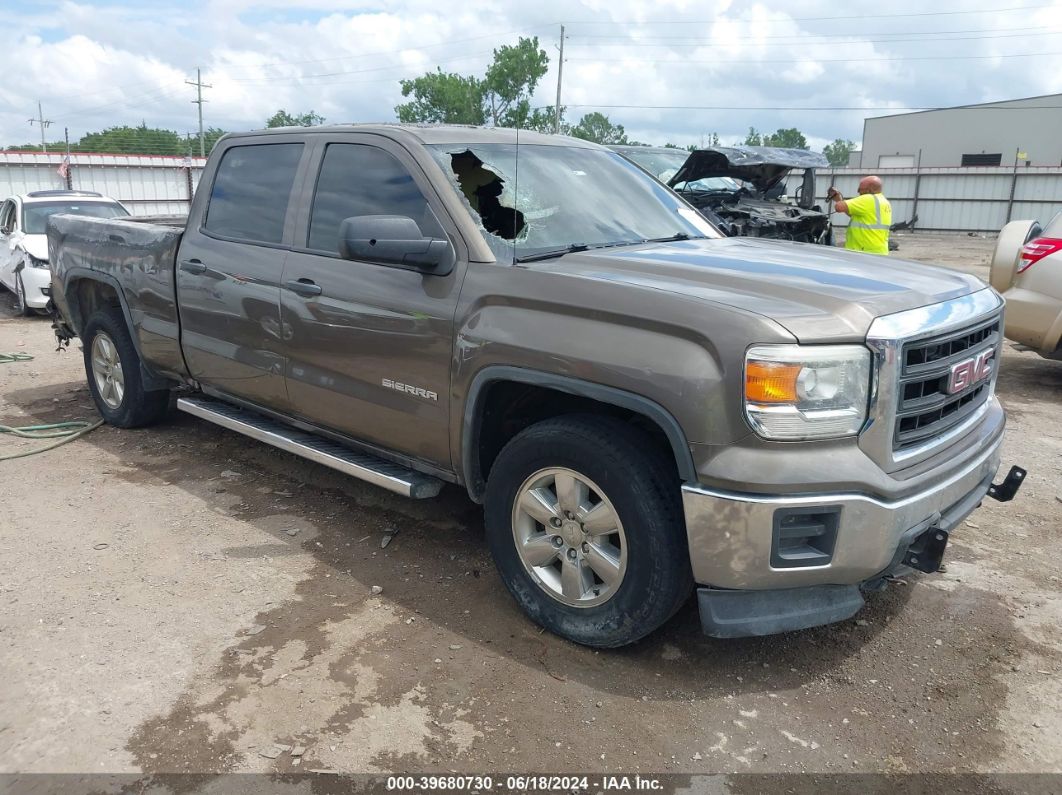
<point x="969" y="371"/>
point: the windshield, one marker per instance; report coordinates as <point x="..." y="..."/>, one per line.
<point x="35" y="215"/>
<point x="563" y="197"/>
<point x="664" y="165"/>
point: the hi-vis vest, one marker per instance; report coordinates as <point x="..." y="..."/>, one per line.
<point x="868" y="230"/>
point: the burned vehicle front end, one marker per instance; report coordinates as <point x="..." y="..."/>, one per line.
<point x="742" y="188"/>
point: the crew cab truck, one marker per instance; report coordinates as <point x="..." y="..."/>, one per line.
<point x="644" y="407"/>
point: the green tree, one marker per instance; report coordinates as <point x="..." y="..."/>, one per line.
<point x="442" y="97"/>
<point x="753" y="138"/>
<point x="598" y="128"/>
<point x="53" y="146"/>
<point x="511" y="80"/>
<point x="502" y="97"/>
<point x="837" y="152"/>
<point x="284" y="119"/>
<point x="787" y="138"/>
<point x="133" y="140"/>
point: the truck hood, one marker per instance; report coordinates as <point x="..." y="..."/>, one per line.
<point x="763" y="166"/>
<point x="817" y="293"/>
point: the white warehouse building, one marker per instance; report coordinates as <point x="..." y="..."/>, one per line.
<point x="1026" y="132"/>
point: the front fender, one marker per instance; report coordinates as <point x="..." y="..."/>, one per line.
<point x="681" y="355"/>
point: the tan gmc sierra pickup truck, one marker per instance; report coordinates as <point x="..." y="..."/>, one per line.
<point x="644" y="407"/>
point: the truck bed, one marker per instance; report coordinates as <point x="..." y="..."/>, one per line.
<point x="135" y="257"/>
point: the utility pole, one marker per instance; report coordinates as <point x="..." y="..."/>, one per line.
<point x="199" y="86"/>
<point x="43" y="123"/>
<point x="560" y="75"/>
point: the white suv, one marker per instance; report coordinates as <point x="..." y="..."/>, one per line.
<point x="24" y="245"/>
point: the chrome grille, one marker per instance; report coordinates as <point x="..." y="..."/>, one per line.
<point x="911" y="352"/>
<point x="924" y="409"/>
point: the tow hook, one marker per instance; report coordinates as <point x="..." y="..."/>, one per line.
<point x="1005" y="491"/>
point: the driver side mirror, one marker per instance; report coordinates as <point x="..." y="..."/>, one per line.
<point x="393" y="240"/>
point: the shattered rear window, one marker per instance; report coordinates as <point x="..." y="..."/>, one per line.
<point x="559" y="196"/>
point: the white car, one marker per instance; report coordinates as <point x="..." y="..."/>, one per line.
<point x="1027" y="270"/>
<point x="24" y="246"/>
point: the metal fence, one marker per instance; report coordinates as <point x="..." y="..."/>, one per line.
<point x="944" y="199"/>
<point x="953" y="199"/>
<point x="146" y="184"/>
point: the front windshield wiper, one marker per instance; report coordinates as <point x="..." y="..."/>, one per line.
<point x="676" y="237"/>
<point x="571" y="248"/>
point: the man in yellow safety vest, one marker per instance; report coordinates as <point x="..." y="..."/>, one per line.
<point x="871" y="216"/>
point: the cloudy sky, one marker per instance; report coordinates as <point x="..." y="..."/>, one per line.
<point x="668" y="70"/>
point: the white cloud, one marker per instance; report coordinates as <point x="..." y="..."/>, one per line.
<point x="94" y="65"/>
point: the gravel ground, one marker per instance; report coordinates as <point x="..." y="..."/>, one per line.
<point x="181" y="599"/>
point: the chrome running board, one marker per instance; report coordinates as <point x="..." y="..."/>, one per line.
<point x="371" y="469"/>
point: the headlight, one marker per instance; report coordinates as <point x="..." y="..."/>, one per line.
<point x="37" y="263"/>
<point x="806" y="392"/>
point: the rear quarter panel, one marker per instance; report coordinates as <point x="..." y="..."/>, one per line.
<point x="138" y="260"/>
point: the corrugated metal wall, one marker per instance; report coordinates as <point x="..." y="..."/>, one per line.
<point x="945" y="199"/>
<point x="954" y="199"/>
<point x="146" y="184"/>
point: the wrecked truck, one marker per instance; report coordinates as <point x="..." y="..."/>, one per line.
<point x="646" y="409"/>
<point x="741" y="189"/>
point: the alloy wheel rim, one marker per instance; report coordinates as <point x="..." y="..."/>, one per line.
<point x="20" y="294"/>
<point x="107" y="371"/>
<point x="569" y="537"/>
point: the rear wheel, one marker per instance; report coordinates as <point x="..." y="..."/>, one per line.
<point x="113" y="369"/>
<point x="584" y="522"/>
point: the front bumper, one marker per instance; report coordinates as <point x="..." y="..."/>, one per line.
<point x="733" y="537"/>
<point x="37" y="282"/>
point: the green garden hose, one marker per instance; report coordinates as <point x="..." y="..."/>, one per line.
<point x="61" y="432"/>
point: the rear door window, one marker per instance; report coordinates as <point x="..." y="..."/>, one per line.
<point x="357" y="179"/>
<point x="249" y="199"/>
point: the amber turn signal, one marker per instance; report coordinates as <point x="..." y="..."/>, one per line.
<point x="771" y="382"/>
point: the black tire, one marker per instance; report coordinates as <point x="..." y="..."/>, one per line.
<point x="642" y="486"/>
<point x="137" y="407"/>
<point x="21" y="307"/>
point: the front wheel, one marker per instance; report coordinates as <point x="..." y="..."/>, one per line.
<point x="21" y="306"/>
<point x="584" y="523"/>
<point x="113" y="369"/>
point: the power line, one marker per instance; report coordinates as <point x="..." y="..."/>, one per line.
<point x="719" y="17"/>
<point x="817" y="107"/>
<point x="43" y="123"/>
<point x="154" y="95"/>
<point x="199" y="86"/>
<point x="387" y="52"/>
<point x="805" y="40"/>
<point x="823" y="60"/>
<point x="802" y="36"/>
<point x="279" y="78"/>
<point x="560" y="74"/>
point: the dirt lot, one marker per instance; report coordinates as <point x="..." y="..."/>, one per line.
<point x="182" y="599"/>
